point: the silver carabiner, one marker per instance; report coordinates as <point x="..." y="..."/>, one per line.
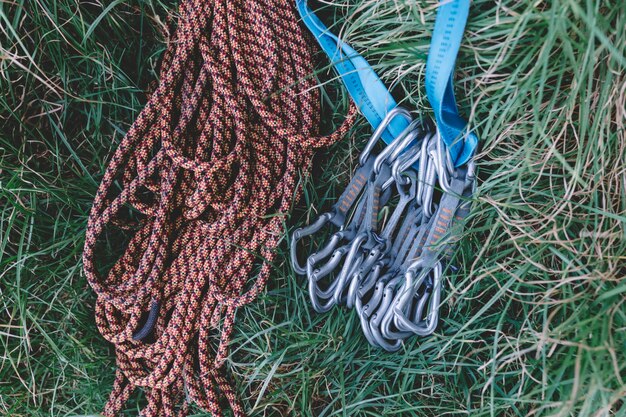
<point x="402" y="302"/>
<point x="386" y="322"/>
<point x="364" y="312"/>
<point x="404" y="163"/>
<point x="443" y="163"/>
<point x="321" y="299"/>
<point x="350" y="265"/>
<point x="427" y="176"/>
<point x="377" y="317"/>
<point x="425" y="199"/>
<point x="346" y="234"/>
<point x="325" y="251"/>
<point x="378" y="132"/>
<point x="364" y="273"/>
<point x="446" y="169"/>
<point x="399" y="144"/>
<point x="363" y="283"/>
<point x="423" y="303"/>
<point x="427" y="326"/>
<point x="382" y="244"/>
<point x="302" y="232"/>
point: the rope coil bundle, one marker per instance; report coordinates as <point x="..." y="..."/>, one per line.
<point x="209" y="167"/>
<point x="392" y="275"/>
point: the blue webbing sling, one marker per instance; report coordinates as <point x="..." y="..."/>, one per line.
<point x="374" y="100"/>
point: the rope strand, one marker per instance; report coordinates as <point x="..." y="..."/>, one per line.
<point x="209" y="163"/>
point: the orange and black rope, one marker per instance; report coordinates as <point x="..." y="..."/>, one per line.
<point x="206" y="170"/>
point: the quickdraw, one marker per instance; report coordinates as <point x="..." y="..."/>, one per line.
<point x="392" y="275"/>
<point x="201" y="182"/>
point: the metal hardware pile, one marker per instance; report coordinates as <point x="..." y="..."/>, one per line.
<point x="394" y="235"/>
<point x="201" y="184"/>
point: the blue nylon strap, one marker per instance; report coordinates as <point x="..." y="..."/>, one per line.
<point x="374" y="100"/>
<point x="366" y="89"/>
<point x="444" y="47"/>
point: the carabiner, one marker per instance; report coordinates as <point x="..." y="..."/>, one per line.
<point x="400" y="302"/>
<point x="302" y="232"/>
<point x="316" y="274"/>
<point x="429" y="189"/>
<point x="404" y="164"/>
<point x="427" y="176"/>
<point x="377" y="317"/>
<point x="377" y="294"/>
<point x="443" y="163"/>
<point x="362" y="282"/>
<point x="391" y="152"/>
<point x="365" y="278"/>
<point x="378" y="132"/>
<point x="325" y="251"/>
<point x="364" y="312"/>
<point x="351" y="264"/>
<point x="427" y="326"/>
<point x="344" y="205"/>
<point x="346" y="234"/>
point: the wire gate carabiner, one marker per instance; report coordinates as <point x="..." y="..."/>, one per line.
<point x="389" y="268"/>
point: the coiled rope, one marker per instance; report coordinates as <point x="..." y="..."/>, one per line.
<point x="202" y="181"/>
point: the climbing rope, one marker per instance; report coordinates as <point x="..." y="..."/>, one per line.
<point x="201" y="182"/>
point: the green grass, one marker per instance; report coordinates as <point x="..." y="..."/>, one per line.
<point x="535" y="322"/>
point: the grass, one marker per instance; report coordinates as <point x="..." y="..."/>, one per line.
<point x="533" y="324"/>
